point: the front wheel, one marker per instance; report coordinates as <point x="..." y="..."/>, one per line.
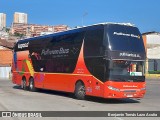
<point x="32" y="87"/>
<point x="80" y="91"/>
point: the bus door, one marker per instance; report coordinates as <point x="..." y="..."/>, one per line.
<point x="97" y="79"/>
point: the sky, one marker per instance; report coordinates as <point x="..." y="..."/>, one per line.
<point x="145" y="14"/>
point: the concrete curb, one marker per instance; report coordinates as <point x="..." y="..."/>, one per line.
<point x="153" y="76"/>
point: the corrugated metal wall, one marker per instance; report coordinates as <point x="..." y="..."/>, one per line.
<point x="5" y="72"/>
<point x="153" y="64"/>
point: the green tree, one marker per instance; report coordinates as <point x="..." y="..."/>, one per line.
<point x="18" y="34"/>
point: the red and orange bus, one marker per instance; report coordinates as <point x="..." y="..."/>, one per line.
<point x="104" y="60"/>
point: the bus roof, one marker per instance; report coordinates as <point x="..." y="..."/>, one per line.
<point x="74" y="30"/>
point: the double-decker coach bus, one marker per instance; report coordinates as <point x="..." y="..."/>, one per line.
<point x="104" y="60"/>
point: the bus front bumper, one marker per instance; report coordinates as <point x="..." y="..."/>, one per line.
<point x="112" y="92"/>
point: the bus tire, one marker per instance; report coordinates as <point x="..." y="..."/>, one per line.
<point x="32" y="87"/>
<point x="80" y="91"/>
<point x="24" y="84"/>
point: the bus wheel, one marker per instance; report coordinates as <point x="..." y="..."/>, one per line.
<point x="23" y="84"/>
<point x="32" y="85"/>
<point x="80" y="91"/>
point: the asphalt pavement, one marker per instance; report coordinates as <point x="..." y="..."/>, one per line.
<point x="13" y="98"/>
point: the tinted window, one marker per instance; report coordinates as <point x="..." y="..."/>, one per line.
<point x="93" y="45"/>
<point x="96" y="67"/>
<point x="58" y="54"/>
<point x="125" y="38"/>
<point x="94" y="51"/>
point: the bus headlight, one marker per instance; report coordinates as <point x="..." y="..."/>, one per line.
<point x="113" y="88"/>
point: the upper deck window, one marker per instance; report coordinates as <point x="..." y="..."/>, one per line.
<point x="125" y="38"/>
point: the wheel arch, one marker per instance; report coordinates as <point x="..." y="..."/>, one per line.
<point x="29" y="78"/>
<point x="24" y="78"/>
<point x="79" y="80"/>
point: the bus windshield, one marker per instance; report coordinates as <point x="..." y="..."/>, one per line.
<point x="123" y="70"/>
<point x="124" y="38"/>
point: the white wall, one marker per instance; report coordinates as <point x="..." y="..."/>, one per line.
<point x="153" y="39"/>
<point x="4" y="72"/>
<point x="153" y="53"/>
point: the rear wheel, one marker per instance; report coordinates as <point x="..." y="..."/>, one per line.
<point x="24" y="84"/>
<point x="80" y="92"/>
<point x="32" y="87"/>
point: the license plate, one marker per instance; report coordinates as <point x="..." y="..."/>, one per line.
<point x="129" y="95"/>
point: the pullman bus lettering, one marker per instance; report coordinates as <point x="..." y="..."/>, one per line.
<point x="125" y="34"/>
<point x="55" y="52"/>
